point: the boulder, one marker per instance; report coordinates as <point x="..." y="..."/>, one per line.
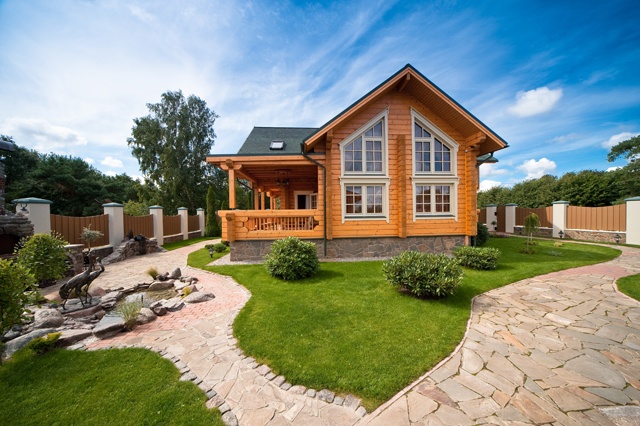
<point x="198" y="297"/>
<point x="20" y="342"/>
<point x="69" y="337"/>
<point x="173" y="305"/>
<point x="47" y="318"/>
<point x="175" y="274"/>
<point x="97" y="291"/>
<point x="86" y="312"/>
<point x="145" y="316"/>
<point x="108" y="326"/>
<point x="159" y="310"/>
<point x="190" y="289"/>
<point x="161" y="285"/>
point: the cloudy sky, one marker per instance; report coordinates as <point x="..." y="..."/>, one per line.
<point x="560" y="83"/>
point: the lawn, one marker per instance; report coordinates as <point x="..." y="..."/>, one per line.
<point x="115" y="386"/>
<point x="630" y="286"/>
<point x="183" y="243"/>
<point x="348" y="330"/>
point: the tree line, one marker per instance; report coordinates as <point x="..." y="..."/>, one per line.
<point x="589" y="188"/>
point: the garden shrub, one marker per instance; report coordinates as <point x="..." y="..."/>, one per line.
<point x="43" y="344"/>
<point x="152" y="272"/>
<point x="44" y="256"/>
<point x="219" y="248"/>
<point x="129" y="311"/>
<point x="423" y="274"/>
<point x="482" y="258"/>
<point x="15" y="280"/>
<point x="292" y="259"/>
<point x="483" y="234"/>
<point x="225" y="242"/>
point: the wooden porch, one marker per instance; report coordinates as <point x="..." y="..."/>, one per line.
<point x="271" y="224"/>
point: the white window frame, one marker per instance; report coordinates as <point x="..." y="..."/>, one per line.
<point x="433" y="178"/>
<point x="435" y="133"/>
<point x="383" y="115"/>
<point x="308" y="195"/>
<point x="379" y="181"/>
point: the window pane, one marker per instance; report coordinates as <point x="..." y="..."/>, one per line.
<point x="357" y="144"/>
<point x="357" y="167"/>
<point x="369" y="132"/>
<point x="357" y="156"/>
<point x="377" y="129"/>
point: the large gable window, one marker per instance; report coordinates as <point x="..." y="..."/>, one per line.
<point x="365" y="186"/>
<point x="434" y="171"/>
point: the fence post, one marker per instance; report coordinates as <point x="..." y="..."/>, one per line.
<point x="492" y="216"/>
<point x="510" y="217"/>
<point x="39" y="213"/>
<point x="200" y="213"/>
<point x="633" y="224"/>
<point x="183" y="212"/>
<point x="116" y="222"/>
<point x="559" y="218"/>
<point x="158" y="223"/>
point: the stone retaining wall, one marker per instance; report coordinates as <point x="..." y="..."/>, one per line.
<point x="194" y="234"/>
<point x="173" y="238"/>
<point x="542" y="232"/>
<point x="599" y="236"/>
<point x="354" y="247"/>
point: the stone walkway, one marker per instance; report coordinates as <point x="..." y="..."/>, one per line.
<point x="562" y="349"/>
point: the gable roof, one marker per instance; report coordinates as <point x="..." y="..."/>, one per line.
<point x="259" y="140"/>
<point x="411" y="80"/>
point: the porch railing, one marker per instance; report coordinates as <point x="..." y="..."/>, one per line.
<point x="270" y="224"/>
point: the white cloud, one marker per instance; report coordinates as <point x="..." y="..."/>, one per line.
<point x="89" y="160"/>
<point x="112" y="162"/>
<point x="534" y="102"/>
<point x="536" y="169"/>
<point x="616" y="139"/>
<point x="491" y="169"/>
<point x="41" y="135"/>
<point x="111" y="173"/>
<point x="487" y="184"/>
<point x="614" y="168"/>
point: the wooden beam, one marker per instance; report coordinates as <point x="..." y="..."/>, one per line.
<point x="404" y="193"/>
<point x="404" y="82"/>
<point x="262" y="200"/>
<point x="232" y="189"/>
<point x="329" y="137"/>
<point x="476" y="139"/>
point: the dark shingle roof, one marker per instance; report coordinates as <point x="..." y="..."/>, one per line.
<point x="259" y="140"/>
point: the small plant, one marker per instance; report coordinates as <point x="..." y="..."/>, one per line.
<point x="558" y="244"/>
<point x="44" y="344"/>
<point x="88" y="235"/>
<point x="225" y="242"/>
<point x="423" y="274"/>
<point x="186" y="291"/>
<point x="495" y="225"/>
<point x="526" y="249"/>
<point x="129" y="311"/>
<point x="152" y="272"/>
<point x="530" y="227"/>
<point x="292" y="259"/>
<point x="44" y="256"/>
<point x="483" y="234"/>
<point x="219" y="248"/>
<point x="478" y="258"/>
<point x="554" y="253"/>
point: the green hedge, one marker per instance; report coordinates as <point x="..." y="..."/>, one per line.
<point x="292" y="259"/>
<point x="478" y="257"/>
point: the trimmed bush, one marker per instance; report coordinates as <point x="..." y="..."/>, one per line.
<point x="219" y="248"/>
<point x="292" y="259"/>
<point x="44" y="256"/>
<point x="15" y="280"/>
<point x="483" y="234"/>
<point x="478" y="257"/>
<point x="423" y="274"/>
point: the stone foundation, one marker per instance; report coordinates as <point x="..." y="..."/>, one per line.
<point x="384" y="247"/>
<point x="599" y="236"/>
<point x="194" y="234"/>
<point x="542" y="232"/>
<point x="173" y="238"/>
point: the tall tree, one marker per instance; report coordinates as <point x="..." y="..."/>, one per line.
<point x="171" y="144"/>
<point x="629" y="175"/>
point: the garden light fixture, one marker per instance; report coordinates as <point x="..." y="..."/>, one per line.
<point x="617" y="237"/>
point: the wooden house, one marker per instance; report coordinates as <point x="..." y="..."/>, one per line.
<point x="395" y="171"/>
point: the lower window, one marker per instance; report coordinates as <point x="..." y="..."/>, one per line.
<point x="433" y="199"/>
<point x="364" y="200"/>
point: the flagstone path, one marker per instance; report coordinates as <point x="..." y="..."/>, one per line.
<point x="561" y="349"/>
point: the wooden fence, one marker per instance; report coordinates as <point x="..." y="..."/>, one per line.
<point x="71" y="227"/>
<point x="171" y="225"/>
<point x="482" y="216"/>
<point x="610" y="218"/>
<point x="194" y="223"/>
<point x="501" y="219"/>
<point x="544" y="213"/>
<point x="139" y="225"/>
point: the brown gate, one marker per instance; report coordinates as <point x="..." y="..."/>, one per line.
<point x="501" y="218"/>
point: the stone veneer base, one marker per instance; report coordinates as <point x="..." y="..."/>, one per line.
<point x="382" y="247"/>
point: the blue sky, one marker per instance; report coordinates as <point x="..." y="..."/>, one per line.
<point x="559" y="80"/>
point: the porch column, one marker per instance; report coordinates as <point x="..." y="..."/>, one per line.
<point x="157" y="214"/>
<point x="200" y="213"/>
<point x="492" y="212"/>
<point x="256" y="198"/>
<point x="510" y="218"/>
<point x="183" y="212"/>
<point x="38" y="213"/>
<point x="559" y="217"/>
<point x="262" y="200"/>
<point x="116" y="222"/>
<point x="633" y="224"/>
<point x="232" y="189"/>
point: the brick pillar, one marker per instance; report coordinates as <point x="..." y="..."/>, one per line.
<point x="492" y="216"/>
<point x="510" y="218"/>
<point x="183" y="212"/>
<point x="158" y="223"/>
<point x="116" y="222"/>
<point x="39" y="213"/>
<point x="559" y="217"/>
<point x="633" y="220"/>
<point x="200" y="213"/>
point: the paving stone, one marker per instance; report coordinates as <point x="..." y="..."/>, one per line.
<point x="596" y="371"/>
<point x="326" y="395"/>
<point x="361" y="411"/>
<point x="531" y="410"/>
<point x="397" y="414"/>
<point x="298" y="390"/>
<point x="567" y="401"/>
<point x="419" y="406"/>
<point x="475" y="384"/>
<point x="614" y="395"/>
<point x="479" y="408"/>
<point x="230" y="419"/>
<point x="501" y="398"/>
<point x="532" y="386"/>
<point x="456" y="391"/>
<point x="471" y="361"/>
<point x="270" y="376"/>
<point x="261" y="416"/>
<point x="292" y="412"/>
<point x="452" y="416"/>
<point x="278" y="380"/>
<point x="530" y="367"/>
<point x="622" y="416"/>
<point x="497" y="381"/>
<point x="505" y="369"/>
<point x="311" y="393"/>
<point x="263" y="370"/>
<point x="350" y="401"/>
<point x="285" y="386"/>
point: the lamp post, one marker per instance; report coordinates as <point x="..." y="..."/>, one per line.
<point x="561" y="234"/>
<point x="617" y="238"/>
<point x="211" y="252"/>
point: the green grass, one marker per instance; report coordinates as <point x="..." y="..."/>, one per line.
<point x="201" y="257"/>
<point x="179" y="244"/>
<point x="630" y="286"/>
<point x="348" y="330"/>
<point x="116" y="386"/>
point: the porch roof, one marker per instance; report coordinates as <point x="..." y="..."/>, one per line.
<point x="259" y="140"/>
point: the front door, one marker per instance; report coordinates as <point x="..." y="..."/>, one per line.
<point x="302" y="201"/>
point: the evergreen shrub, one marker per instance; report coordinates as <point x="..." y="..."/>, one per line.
<point x="423" y="274"/>
<point x="482" y="258"/>
<point x="292" y="259"/>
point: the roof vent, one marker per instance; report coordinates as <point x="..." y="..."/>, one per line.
<point x="276" y="145"/>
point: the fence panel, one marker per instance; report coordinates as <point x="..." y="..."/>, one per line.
<point x="171" y="225"/>
<point x="544" y="213"/>
<point x="482" y="216"/>
<point x="139" y="225"/>
<point x="71" y="227"/>
<point x="501" y="219"/>
<point x="610" y="218"/>
<point x="194" y="223"/>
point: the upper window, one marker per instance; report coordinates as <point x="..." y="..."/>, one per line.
<point x="431" y="154"/>
<point x="364" y="153"/>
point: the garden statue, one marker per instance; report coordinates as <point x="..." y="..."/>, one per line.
<point x="80" y="283"/>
